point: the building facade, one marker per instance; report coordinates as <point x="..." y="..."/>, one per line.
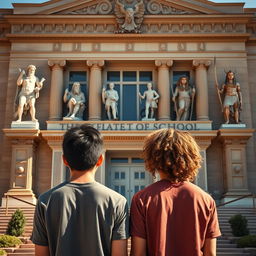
<point x="128" y="43"/>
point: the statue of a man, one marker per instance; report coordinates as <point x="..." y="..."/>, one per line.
<point x="151" y="101"/>
<point x="185" y="93"/>
<point x="233" y="97"/>
<point x="110" y="98"/>
<point x="29" y="92"/>
<point x="76" y="102"/>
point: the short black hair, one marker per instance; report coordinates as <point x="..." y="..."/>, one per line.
<point x="82" y="147"/>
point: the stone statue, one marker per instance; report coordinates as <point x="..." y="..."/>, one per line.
<point x="151" y="101"/>
<point x="110" y="98"/>
<point x="232" y="104"/>
<point x="185" y="94"/>
<point x="129" y="18"/>
<point x="75" y="100"/>
<point x="29" y="86"/>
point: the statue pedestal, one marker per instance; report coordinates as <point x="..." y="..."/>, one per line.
<point x="233" y="126"/>
<point x="25" y="125"/>
<point x="148" y="119"/>
<point x="26" y="196"/>
<point x="72" y="119"/>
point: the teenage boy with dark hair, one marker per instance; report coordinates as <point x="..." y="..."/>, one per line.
<point x="173" y="216"/>
<point x="81" y="217"/>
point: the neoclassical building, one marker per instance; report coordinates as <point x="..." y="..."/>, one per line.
<point x="96" y="43"/>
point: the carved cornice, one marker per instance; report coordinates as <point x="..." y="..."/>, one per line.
<point x="57" y="63"/>
<point x="163" y="63"/>
<point x="201" y="63"/>
<point x="95" y="63"/>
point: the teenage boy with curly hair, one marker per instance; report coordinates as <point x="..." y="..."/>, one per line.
<point x="173" y="216"/>
<point x="81" y="217"/>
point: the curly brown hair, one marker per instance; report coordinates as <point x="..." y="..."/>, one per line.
<point x="172" y="152"/>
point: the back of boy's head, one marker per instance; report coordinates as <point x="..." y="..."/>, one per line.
<point x="82" y="147"/>
<point x="172" y="152"/>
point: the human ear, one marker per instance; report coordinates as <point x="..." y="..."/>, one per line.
<point x="100" y="161"/>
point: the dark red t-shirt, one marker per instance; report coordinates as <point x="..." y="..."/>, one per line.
<point x="175" y="219"/>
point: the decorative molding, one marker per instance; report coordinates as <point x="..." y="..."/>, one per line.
<point x="95" y="63"/>
<point x="146" y="28"/>
<point x="163" y="62"/>
<point x="201" y="46"/>
<point x="57" y="63"/>
<point x="182" y="46"/>
<point x="201" y="63"/>
<point x="56" y="47"/>
<point x="129" y="47"/>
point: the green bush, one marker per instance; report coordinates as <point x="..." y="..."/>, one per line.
<point x="239" y="225"/>
<point x="3" y="252"/>
<point x="247" y="241"/>
<point x="9" y="241"/>
<point x="16" y="224"/>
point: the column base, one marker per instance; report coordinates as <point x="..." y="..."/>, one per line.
<point x="233" y="126"/>
<point x="24" y="194"/>
<point x="247" y="202"/>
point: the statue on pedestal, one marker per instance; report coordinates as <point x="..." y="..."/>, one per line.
<point x="151" y="101"/>
<point x="110" y="98"/>
<point x="75" y="100"/>
<point x="232" y="104"/>
<point x="185" y="94"/>
<point x="28" y="93"/>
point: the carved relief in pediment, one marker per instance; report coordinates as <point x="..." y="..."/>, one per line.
<point x="155" y="7"/>
<point x="152" y="7"/>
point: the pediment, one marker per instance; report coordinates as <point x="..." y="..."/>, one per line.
<point x="106" y="7"/>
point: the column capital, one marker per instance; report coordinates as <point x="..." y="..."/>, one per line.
<point x="203" y="63"/>
<point x="95" y="63"/>
<point x="163" y="62"/>
<point x="57" y="63"/>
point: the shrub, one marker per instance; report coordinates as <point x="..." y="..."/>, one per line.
<point x="239" y="225"/>
<point x="3" y="252"/>
<point x="9" y="241"/>
<point x="16" y="224"/>
<point x="247" y="241"/>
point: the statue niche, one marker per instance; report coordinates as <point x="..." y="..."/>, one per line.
<point x="129" y="16"/>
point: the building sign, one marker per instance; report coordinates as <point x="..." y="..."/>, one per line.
<point x="133" y="126"/>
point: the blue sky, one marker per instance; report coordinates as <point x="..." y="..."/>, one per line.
<point x="7" y="3"/>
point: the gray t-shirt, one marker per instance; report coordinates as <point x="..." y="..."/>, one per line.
<point x="80" y="219"/>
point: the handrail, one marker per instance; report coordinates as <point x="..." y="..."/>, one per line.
<point x="237" y="199"/>
<point x="14" y="197"/>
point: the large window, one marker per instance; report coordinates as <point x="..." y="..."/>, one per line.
<point x="128" y="84"/>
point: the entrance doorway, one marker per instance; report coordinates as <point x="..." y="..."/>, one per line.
<point x="127" y="176"/>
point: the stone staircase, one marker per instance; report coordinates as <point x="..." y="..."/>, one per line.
<point x="27" y="248"/>
<point x="224" y="246"/>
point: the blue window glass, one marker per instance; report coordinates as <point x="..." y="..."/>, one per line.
<point x="77" y="76"/>
<point x="116" y="175"/>
<point x="119" y="160"/>
<point x="137" y="160"/>
<point x="142" y="175"/>
<point x="122" y="175"/>
<point x="136" y="189"/>
<point x="129" y="102"/>
<point x="113" y="76"/>
<point x="122" y="192"/>
<point x="141" y="187"/>
<point x="136" y="175"/>
<point x="146" y="76"/>
<point x="116" y="188"/>
<point x="129" y="76"/>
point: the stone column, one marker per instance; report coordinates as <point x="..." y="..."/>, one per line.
<point x="164" y="88"/>
<point x="202" y="109"/>
<point x="56" y="95"/>
<point x="235" y="165"/>
<point x="23" y="160"/>
<point x="95" y="85"/>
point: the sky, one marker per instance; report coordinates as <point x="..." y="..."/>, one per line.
<point x="7" y="3"/>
